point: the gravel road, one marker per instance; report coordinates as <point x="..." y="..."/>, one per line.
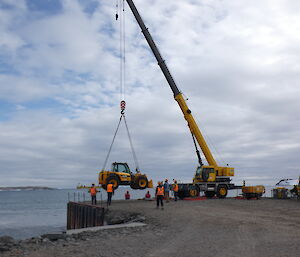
<point x="215" y="227"/>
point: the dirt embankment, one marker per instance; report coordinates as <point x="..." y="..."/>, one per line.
<point x="215" y="227"/>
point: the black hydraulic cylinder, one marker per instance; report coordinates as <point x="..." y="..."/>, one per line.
<point x="154" y="48"/>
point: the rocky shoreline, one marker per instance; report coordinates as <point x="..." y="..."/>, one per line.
<point x="20" y="247"/>
<point x="12" y="247"/>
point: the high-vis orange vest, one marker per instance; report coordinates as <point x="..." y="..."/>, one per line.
<point x="109" y="188"/>
<point x="93" y="191"/>
<point x="160" y="191"/>
<point x="175" y="188"/>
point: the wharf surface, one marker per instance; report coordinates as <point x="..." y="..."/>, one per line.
<point x="213" y="227"/>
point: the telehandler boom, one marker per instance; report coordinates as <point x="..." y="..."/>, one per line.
<point x="212" y="178"/>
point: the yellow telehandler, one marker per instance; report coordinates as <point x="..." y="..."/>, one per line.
<point x="120" y="174"/>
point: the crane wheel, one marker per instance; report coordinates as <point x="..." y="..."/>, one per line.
<point x="194" y="192"/>
<point x="181" y="194"/>
<point x="142" y="182"/>
<point x="209" y="194"/>
<point x="222" y="191"/>
<point x="113" y="179"/>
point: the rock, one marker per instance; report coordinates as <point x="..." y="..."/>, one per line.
<point x="119" y="217"/>
<point x="54" y="236"/>
<point x="6" y="243"/>
<point x="4" y="248"/>
<point x="36" y="240"/>
<point x="45" y="240"/>
<point x="139" y="218"/>
<point x="7" y="240"/>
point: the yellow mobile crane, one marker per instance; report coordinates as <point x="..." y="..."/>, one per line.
<point x="212" y="178"/>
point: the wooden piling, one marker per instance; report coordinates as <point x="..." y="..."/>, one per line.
<point x="81" y="215"/>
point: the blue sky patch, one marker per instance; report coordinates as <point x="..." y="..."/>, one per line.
<point x="45" y="6"/>
<point x="89" y="6"/>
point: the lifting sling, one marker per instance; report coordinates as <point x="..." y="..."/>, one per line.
<point x="120" y="8"/>
<point x="122" y="117"/>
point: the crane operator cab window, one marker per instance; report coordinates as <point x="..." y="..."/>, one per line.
<point x="204" y="173"/>
<point x="198" y="171"/>
<point x="121" y="167"/>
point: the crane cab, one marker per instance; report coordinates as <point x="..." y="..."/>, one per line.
<point x="205" y="174"/>
<point x="213" y="180"/>
<point x="211" y="173"/>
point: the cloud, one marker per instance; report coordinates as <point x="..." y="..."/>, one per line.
<point x="236" y="62"/>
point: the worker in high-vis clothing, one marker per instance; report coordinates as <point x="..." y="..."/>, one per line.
<point x="175" y="190"/>
<point x="159" y="193"/>
<point x="167" y="190"/>
<point x="110" y="191"/>
<point x="93" y="191"/>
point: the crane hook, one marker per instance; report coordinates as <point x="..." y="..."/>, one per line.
<point x="123" y="106"/>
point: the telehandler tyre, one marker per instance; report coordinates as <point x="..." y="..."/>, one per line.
<point x="222" y="191"/>
<point x="133" y="185"/>
<point x="142" y="182"/>
<point x="112" y="179"/>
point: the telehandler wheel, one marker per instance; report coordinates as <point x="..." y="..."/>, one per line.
<point x="142" y="182"/>
<point x="133" y="185"/>
<point x="222" y="191"/>
<point x="113" y="179"/>
<point x="209" y="194"/>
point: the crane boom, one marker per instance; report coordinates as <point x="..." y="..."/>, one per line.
<point x="177" y="94"/>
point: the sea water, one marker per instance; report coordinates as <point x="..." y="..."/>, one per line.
<point x="25" y="214"/>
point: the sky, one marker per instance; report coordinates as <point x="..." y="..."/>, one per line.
<point x="237" y="63"/>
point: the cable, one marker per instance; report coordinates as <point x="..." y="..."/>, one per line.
<point x="120" y="9"/>
<point x="197" y="151"/>
<point x="111" y="145"/>
<point x="121" y="53"/>
<point x="124" y="50"/>
<point x="210" y="141"/>
<point x="122" y="46"/>
<point x="131" y="145"/>
<point x="117" y="9"/>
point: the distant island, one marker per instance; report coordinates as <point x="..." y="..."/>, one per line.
<point x="26" y="188"/>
